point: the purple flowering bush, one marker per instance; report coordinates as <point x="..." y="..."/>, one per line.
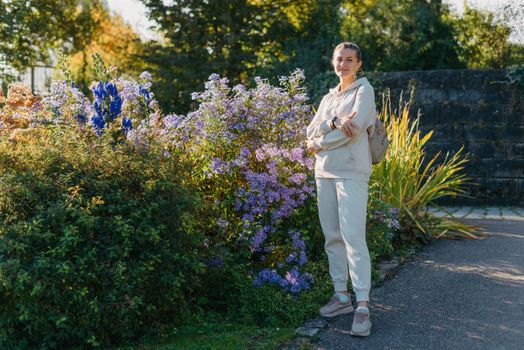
<point x="67" y="103"/>
<point x="250" y="166"/>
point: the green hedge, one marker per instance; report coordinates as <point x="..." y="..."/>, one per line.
<point x="96" y="242"/>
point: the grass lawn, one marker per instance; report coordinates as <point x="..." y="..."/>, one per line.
<point x="226" y="337"/>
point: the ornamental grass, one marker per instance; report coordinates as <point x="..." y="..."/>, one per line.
<point x="413" y="182"/>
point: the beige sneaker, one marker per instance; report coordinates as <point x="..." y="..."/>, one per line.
<point x="335" y="307"/>
<point x="361" y="326"/>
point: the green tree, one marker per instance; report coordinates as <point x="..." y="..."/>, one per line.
<point x="29" y="29"/>
<point x="401" y="35"/>
<point x="483" y="42"/>
<point x="231" y="37"/>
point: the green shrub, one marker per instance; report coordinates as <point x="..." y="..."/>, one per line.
<point x="96" y="242"/>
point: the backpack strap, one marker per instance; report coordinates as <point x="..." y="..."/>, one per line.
<point x="371" y="128"/>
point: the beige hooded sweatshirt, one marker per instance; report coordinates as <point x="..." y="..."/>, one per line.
<point x="341" y="156"/>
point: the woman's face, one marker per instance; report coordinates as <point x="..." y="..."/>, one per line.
<point x="346" y="62"/>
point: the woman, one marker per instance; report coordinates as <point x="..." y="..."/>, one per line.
<point x="338" y="137"/>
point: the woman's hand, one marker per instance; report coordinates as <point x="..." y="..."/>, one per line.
<point x="347" y="126"/>
<point x="311" y="147"/>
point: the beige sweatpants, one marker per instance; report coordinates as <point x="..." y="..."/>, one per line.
<point x="342" y="207"/>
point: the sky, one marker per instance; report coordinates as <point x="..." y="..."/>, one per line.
<point x="134" y="12"/>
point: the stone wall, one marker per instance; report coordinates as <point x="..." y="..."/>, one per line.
<point x="477" y="109"/>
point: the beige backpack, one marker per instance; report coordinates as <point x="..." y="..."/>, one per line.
<point x="377" y="137"/>
<point x="378" y="141"/>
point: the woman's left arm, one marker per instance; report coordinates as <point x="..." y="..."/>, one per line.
<point x="365" y="110"/>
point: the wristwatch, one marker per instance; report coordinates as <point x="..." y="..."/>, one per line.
<point x="332" y="123"/>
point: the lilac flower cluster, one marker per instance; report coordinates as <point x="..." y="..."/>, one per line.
<point x="392" y="223"/>
<point x="171" y="130"/>
<point x="223" y="224"/>
<point x="272" y="191"/>
<point x="265" y="114"/>
<point x="292" y="281"/>
<point x="389" y="218"/>
<point x="137" y="100"/>
<point x="268" y="200"/>
<point x="66" y="101"/>
<point x="298" y="253"/>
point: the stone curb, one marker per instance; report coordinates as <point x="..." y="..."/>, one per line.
<point x="389" y="268"/>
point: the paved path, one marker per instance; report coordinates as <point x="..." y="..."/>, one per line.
<point x="462" y="294"/>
